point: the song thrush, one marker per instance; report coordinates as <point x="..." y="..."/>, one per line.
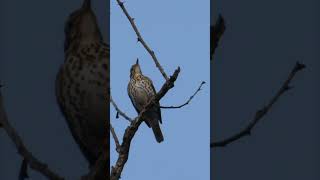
<point x="141" y="90"/>
<point x="82" y="84"/>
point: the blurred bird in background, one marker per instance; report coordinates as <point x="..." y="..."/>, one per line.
<point x="82" y="84"/>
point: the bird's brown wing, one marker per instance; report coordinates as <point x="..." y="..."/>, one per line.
<point x="154" y="92"/>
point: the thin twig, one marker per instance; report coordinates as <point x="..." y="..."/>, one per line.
<point x="188" y="101"/>
<point x="32" y="161"/>
<point x="261" y="113"/>
<point x="119" y="111"/>
<point x="216" y="33"/>
<point x="141" y="40"/>
<point x="133" y="128"/>
<point x="116" y="140"/>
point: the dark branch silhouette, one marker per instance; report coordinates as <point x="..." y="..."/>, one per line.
<point x="119" y="111"/>
<point x="29" y="159"/>
<point x="24" y="170"/>
<point x="115" y="137"/>
<point x="262" y="112"/>
<point x="188" y="101"/>
<point x="216" y="33"/>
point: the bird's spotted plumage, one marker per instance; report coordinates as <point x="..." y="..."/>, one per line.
<point x="141" y="90"/>
<point x="82" y="84"/>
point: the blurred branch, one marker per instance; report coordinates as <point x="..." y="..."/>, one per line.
<point x="141" y="40"/>
<point x="98" y="171"/>
<point x="216" y="33"/>
<point x="133" y="128"/>
<point x="24" y="170"/>
<point x="29" y="159"/>
<point x="262" y="112"/>
<point x="188" y="101"/>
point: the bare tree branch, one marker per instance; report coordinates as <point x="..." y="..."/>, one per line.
<point x="216" y="33"/>
<point x="262" y="112"/>
<point x="116" y="140"/>
<point x="188" y="101"/>
<point x="133" y="128"/>
<point x="141" y="40"/>
<point x="29" y="159"/>
<point x="119" y="111"/>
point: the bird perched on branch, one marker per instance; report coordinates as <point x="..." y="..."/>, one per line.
<point x="82" y="84"/>
<point x="141" y="90"/>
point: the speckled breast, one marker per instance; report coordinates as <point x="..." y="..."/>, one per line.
<point x="82" y="92"/>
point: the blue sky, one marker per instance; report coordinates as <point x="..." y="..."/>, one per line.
<point x="179" y="35"/>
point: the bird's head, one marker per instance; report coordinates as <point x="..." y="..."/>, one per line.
<point x="82" y="25"/>
<point x="135" y="69"/>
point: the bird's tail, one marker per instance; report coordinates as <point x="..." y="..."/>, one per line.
<point x="157" y="132"/>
